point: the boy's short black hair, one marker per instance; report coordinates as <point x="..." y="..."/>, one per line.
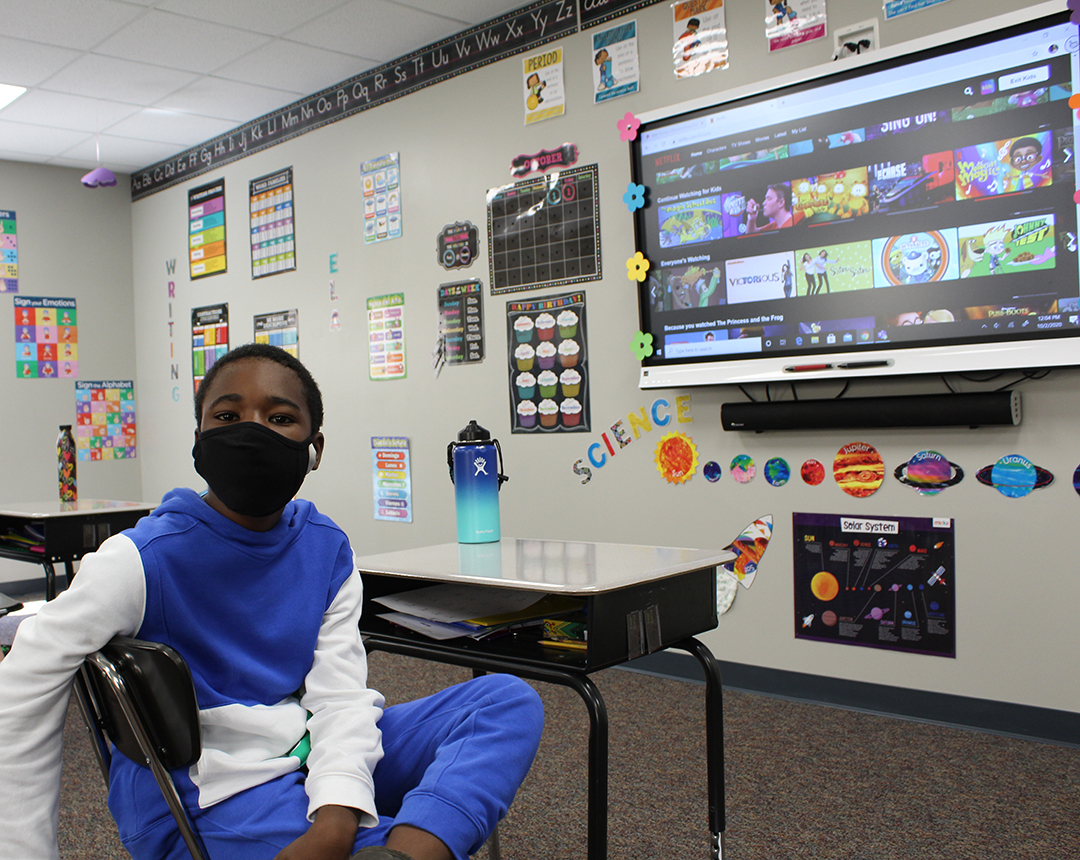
<point x="271" y="353"/>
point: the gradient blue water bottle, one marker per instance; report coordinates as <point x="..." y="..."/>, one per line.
<point x="475" y="471"/>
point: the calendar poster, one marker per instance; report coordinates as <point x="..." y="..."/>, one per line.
<point x="273" y="234"/>
<point x="545" y="231"/>
<point x="380" y="179"/>
<point x="461" y="322"/>
<point x="392" y="478"/>
<point x="105" y="420"/>
<point x="46" y="338"/>
<point x="386" y="337"/>
<point x="9" y="251"/>
<point x="206" y="230"/>
<point x="279" y="329"/>
<point x="880" y="581"/>
<point x="209" y="338"/>
<point x="548" y="365"/>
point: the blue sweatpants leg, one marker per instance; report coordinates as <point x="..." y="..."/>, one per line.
<point x="454" y="760"/>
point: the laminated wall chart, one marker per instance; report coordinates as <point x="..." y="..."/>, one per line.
<point x="209" y="338"/>
<point x="46" y="338"/>
<point x="380" y="179"/>
<point x="105" y="420"/>
<point x="9" y="253"/>
<point x="386" y="337"/>
<point x="279" y="329"/>
<point x="273" y="236"/>
<point x="206" y="230"/>
<point x="392" y="479"/>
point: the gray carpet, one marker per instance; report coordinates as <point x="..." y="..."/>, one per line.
<point x="803" y="781"/>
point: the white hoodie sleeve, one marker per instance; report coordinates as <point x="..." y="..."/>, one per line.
<point x="106" y="599"/>
<point x="346" y="743"/>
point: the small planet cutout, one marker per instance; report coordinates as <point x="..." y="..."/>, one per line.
<point x="743" y="469"/>
<point x="777" y="472"/>
<point x="1014" y="476"/>
<point x="712" y="471"/>
<point x="813" y="472"/>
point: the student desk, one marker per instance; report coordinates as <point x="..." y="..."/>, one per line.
<point x="70" y="529"/>
<point x="639" y="599"/>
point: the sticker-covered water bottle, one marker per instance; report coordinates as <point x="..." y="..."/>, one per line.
<point x="65" y="464"/>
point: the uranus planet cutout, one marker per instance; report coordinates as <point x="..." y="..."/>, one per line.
<point x="1014" y="476"/>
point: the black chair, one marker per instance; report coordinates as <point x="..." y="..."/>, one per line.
<point x="140" y="696"/>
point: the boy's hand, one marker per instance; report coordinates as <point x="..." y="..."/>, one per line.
<point x="330" y="837"/>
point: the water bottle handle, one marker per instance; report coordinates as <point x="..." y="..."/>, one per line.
<point x="450" y="460"/>
<point x="502" y="478"/>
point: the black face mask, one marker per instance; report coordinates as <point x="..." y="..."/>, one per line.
<point x="252" y="469"/>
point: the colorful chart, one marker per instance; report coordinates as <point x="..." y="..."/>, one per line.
<point x="209" y="338"/>
<point x="386" y="337"/>
<point x="279" y="329"/>
<point x="206" y="230"/>
<point x="380" y="179"/>
<point x="9" y="253"/>
<point x="392" y="478"/>
<point x="545" y="231"/>
<point x="273" y="233"/>
<point x="461" y="322"/>
<point x="105" y="414"/>
<point x="46" y="338"/>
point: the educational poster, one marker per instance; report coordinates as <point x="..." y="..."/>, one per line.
<point x="380" y="179"/>
<point x="700" y="37"/>
<point x="902" y="7"/>
<point x="792" y="22"/>
<point x="209" y="338"/>
<point x="461" y="322"/>
<point x="457" y="245"/>
<point x="105" y="420"/>
<point x="273" y="234"/>
<point x="615" y="62"/>
<point x="391" y="478"/>
<point x="46" y="338"/>
<point x="279" y="329"/>
<point x="543" y="84"/>
<point x="9" y="253"/>
<point x="548" y="363"/>
<point x="884" y="582"/>
<point x="545" y="231"/>
<point x="206" y="230"/>
<point x="386" y="337"/>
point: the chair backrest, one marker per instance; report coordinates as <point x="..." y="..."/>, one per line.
<point x="158" y="685"/>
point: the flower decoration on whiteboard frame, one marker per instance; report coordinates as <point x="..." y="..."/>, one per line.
<point x="634" y="198"/>
<point x="637" y="267"/>
<point x="628" y="127"/>
<point x="642" y="345"/>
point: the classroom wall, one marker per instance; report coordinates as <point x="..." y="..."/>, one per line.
<point x="74" y="242"/>
<point x="1015" y="583"/>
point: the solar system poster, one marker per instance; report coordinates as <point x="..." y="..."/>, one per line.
<point x="882" y="582"/>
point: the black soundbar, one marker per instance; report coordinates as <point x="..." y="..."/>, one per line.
<point x="917" y="410"/>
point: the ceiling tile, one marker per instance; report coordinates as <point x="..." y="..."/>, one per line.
<point x="288" y="65"/>
<point x="171" y="40"/>
<point x="27" y="64"/>
<point x="118" y="80"/>
<point x="121" y="151"/>
<point x="162" y="126"/>
<point x="77" y="24"/>
<point x="374" y="28"/>
<point x="260" y="16"/>
<point x="38" y="139"/>
<point x="231" y="100"/>
<point x="470" y="12"/>
<point x="59" y="110"/>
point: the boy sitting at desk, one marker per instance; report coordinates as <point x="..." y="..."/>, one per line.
<point x="260" y="596"/>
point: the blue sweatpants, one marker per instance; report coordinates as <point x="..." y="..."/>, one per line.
<point x="452" y="764"/>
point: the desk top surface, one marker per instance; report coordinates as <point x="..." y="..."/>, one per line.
<point x="56" y="508"/>
<point x="574" y="567"/>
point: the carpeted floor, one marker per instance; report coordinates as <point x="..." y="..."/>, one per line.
<point x="803" y="781"/>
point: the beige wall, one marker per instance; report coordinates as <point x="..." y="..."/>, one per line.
<point x="1016" y="587"/>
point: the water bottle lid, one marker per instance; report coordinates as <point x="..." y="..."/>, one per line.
<point x="473" y="432"/>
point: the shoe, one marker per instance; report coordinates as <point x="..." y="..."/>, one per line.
<point x="379" y="852"/>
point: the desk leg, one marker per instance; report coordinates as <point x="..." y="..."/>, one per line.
<point x="589" y="692"/>
<point x="50" y="580"/>
<point x="714" y="740"/>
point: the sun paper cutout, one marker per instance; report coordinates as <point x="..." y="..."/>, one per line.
<point x="637" y="267"/>
<point x="628" y="127"/>
<point x="634" y="198"/>
<point x="676" y="458"/>
<point x="642" y="345"/>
